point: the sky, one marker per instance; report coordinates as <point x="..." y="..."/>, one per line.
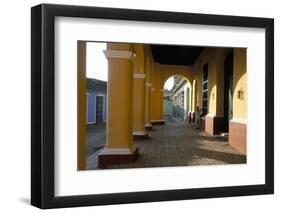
<point x="96" y="66"/>
<point x="169" y="83"/>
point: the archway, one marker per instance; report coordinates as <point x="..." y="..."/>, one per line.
<point x="176" y="98"/>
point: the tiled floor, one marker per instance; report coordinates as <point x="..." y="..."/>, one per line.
<point x="178" y="144"/>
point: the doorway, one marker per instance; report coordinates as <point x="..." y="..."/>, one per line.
<point x="99" y="108"/>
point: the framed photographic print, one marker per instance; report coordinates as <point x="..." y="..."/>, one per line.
<point x="139" y="106"/>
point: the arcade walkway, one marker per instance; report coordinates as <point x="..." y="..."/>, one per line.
<point x="178" y="144"/>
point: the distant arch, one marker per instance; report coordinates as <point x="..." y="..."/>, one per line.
<point x="168" y="74"/>
<point x="177" y="99"/>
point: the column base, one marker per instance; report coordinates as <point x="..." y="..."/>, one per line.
<point x="202" y="123"/>
<point x="148" y="127"/>
<point x="191" y="117"/>
<point x="157" y="122"/>
<point x="142" y="135"/>
<point x="110" y="157"/>
<point x="238" y="136"/>
<point x="215" y="125"/>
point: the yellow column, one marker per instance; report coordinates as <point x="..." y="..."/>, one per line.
<point x="148" y="125"/>
<point x="81" y="68"/>
<point x="119" y="144"/>
<point x="139" y="131"/>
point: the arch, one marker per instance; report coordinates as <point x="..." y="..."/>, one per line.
<point x="170" y="76"/>
<point x="170" y="73"/>
<point x="166" y="79"/>
<point x="159" y="74"/>
<point x="177" y="103"/>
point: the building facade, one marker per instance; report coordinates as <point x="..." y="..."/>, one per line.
<point x="96" y="101"/>
<point x="180" y="98"/>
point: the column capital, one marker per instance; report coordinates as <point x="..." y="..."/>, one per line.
<point x="119" y="54"/>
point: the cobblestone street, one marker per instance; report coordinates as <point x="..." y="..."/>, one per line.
<point x="96" y="137"/>
<point x="173" y="144"/>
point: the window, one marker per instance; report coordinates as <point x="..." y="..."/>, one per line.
<point x="205" y="90"/>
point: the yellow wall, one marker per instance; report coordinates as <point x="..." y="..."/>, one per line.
<point x="215" y="59"/>
<point x="138" y="104"/>
<point x="239" y="83"/>
<point x="148" y="84"/>
<point x="204" y="58"/>
<point x="212" y="90"/>
<point x="148" y="63"/>
<point x="156" y="94"/>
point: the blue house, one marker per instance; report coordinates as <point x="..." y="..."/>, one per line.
<point x="96" y="101"/>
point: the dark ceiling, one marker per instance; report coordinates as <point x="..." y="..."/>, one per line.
<point x="175" y="55"/>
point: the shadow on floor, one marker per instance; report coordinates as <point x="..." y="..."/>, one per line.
<point x="221" y="156"/>
<point x="211" y="138"/>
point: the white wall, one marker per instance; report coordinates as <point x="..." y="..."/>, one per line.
<point x="15" y="109"/>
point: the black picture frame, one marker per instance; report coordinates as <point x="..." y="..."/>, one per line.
<point x="43" y="105"/>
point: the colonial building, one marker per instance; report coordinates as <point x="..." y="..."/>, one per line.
<point x="168" y="103"/>
<point x="180" y="98"/>
<point x="96" y="101"/>
<point x="216" y="78"/>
